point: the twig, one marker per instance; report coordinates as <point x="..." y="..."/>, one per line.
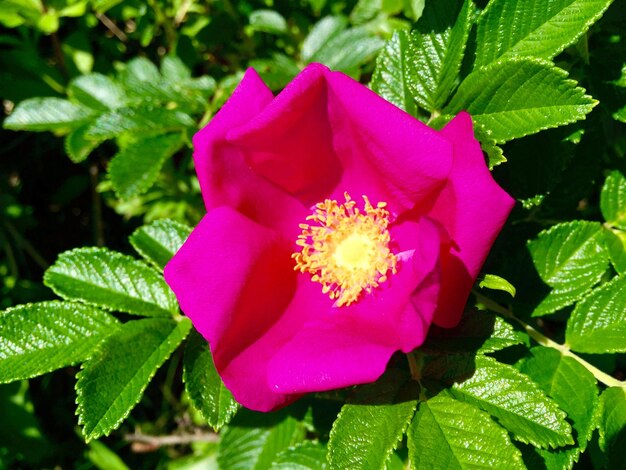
<point x="111" y="26"/>
<point x="26" y="246"/>
<point x="603" y="377"/>
<point x="154" y="442"/>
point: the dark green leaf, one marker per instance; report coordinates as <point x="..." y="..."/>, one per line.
<point x="47" y="114"/>
<point x="598" y="323"/>
<point x="533" y="27"/>
<point x="159" y="241"/>
<point x="112" y="382"/>
<point x="204" y="386"/>
<point x="570" y="258"/>
<point x="447" y="434"/>
<point x="42" y="337"/>
<point x="517" y="402"/>
<point x="112" y="281"/>
<point x="135" y="168"/>
<point x="613" y="425"/>
<point x="517" y="97"/>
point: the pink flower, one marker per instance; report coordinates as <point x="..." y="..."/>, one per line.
<point x="338" y="228"/>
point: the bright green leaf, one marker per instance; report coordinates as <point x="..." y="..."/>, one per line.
<point x="47" y="114"/>
<point x="112" y="382"/>
<point x="538" y="28"/>
<point x="97" y="91"/>
<point x="159" y="241"/>
<point x="174" y="70"/>
<point x="394" y="69"/>
<point x="570" y="258"/>
<point x="268" y="21"/>
<point x="613" y="200"/>
<point x="615" y="242"/>
<point x="204" y="386"/>
<point x="491" y="281"/>
<point x="112" y="281"/>
<point x="439" y="43"/>
<point x="517" y="97"/>
<point x="349" y="49"/>
<point x="78" y="146"/>
<point x="517" y="402"/>
<point x="39" y="338"/>
<point x="574" y="388"/>
<point x="447" y="434"/>
<point x="366" y="433"/>
<point x="140" y="69"/>
<point x="598" y="323"/>
<point x="254" y="440"/>
<point x="307" y="455"/>
<point x="613" y="425"/>
<point x="322" y="31"/>
<point x="135" y="168"/>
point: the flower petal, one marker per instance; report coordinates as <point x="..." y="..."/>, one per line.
<point x="290" y="141"/>
<point x="225" y="177"/>
<point x="473" y="209"/>
<point x="340" y="346"/>
<point x="233" y="278"/>
<point x="385" y="153"/>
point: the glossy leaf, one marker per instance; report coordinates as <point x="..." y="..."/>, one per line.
<point x="570" y="258"/>
<point x="39" y="338"/>
<point x="47" y="114"/>
<point x="513" y="28"/>
<point x="322" y="31"/>
<point x="159" y="241"/>
<point x="112" y="281"/>
<point x="615" y="242"/>
<point x="517" y="402"/>
<point x="613" y="200"/>
<point x="97" y="91"/>
<point x="517" y="97"/>
<point x="204" y="386"/>
<point x="598" y="323"/>
<point x="612" y="425"/>
<point x="307" y="455"/>
<point x="78" y="146"/>
<point x="448" y="434"/>
<point x="491" y="281"/>
<point x="268" y="21"/>
<point x="348" y="49"/>
<point x="112" y="382"/>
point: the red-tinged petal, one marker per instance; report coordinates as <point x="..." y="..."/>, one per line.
<point x="233" y="278"/>
<point x="385" y="153"/>
<point x="341" y="346"/>
<point x="473" y="209"/>
<point x="225" y="177"/>
<point x="290" y="141"/>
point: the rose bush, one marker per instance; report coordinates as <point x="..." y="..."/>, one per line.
<point x="338" y="228"/>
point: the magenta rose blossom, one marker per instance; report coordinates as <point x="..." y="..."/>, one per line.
<point x="338" y="229"/>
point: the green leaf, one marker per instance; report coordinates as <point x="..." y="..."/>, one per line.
<point x="615" y="242"/>
<point x="613" y="425"/>
<point x="613" y="200"/>
<point x="159" y="241"/>
<point x="448" y="434"/>
<point x="97" y="91"/>
<point x="322" y="31"/>
<point x="394" y="69"/>
<point x="104" y="458"/>
<point x="254" y="440"/>
<point x="598" y="323"/>
<point x="574" y="389"/>
<point x="307" y="455"/>
<point x="366" y="433"/>
<point x="112" y="382"/>
<point x="495" y="155"/>
<point x="39" y="338"/>
<point x="517" y="402"/>
<point x="517" y="97"/>
<point x="174" y="70"/>
<point x="47" y="114"/>
<point x="135" y="168"/>
<point x="349" y="49"/>
<point x="268" y="21"/>
<point x="481" y="331"/>
<point x="78" y="146"/>
<point x="138" y="121"/>
<point x="204" y="386"/>
<point x="439" y="41"/>
<point x="533" y="27"/>
<point x="112" y="281"/>
<point x="570" y="258"/>
<point x="140" y="69"/>
<point x="491" y="281"/>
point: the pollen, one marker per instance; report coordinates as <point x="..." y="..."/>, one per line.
<point x="346" y="249"/>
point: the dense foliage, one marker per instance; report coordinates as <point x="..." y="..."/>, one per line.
<point x="97" y="192"/>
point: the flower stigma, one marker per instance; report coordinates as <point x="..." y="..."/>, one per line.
<point x="346" y="249"/>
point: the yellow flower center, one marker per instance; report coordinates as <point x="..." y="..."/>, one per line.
<point x="346" y="249"/>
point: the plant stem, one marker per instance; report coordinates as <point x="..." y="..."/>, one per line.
<point x="603" y="377"/>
